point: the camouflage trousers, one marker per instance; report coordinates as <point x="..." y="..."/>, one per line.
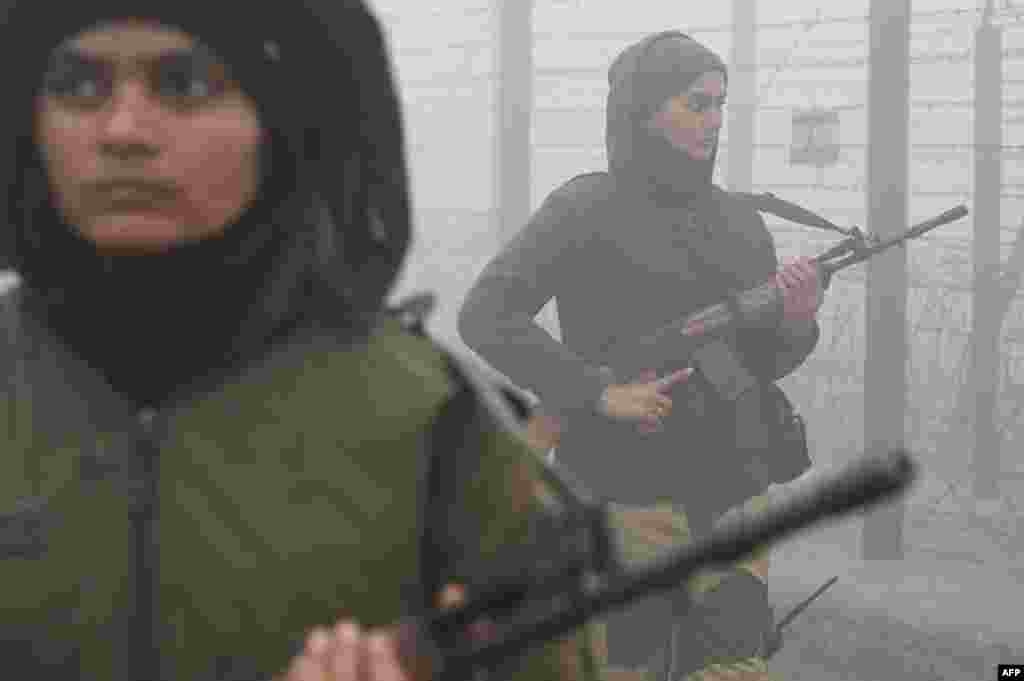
<point x="644" y="533"/>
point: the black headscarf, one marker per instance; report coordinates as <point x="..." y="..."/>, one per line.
<point x="642" y="78"/>
<point x="322" y="244"/>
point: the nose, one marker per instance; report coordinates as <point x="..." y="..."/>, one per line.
<point x="129" y="127"/>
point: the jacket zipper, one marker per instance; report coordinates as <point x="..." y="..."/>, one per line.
<point x="145" y="505"/>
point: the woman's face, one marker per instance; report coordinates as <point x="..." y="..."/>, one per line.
<point x="147" y="140"/>
<point x="692" y="120"/>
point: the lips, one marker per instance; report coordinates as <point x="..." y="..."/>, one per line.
<point x="134" y="194"/>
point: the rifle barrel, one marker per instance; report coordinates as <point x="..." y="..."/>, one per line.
<point x="857" y="256"/>
<point x="863" y="484"/>
<point x="951" y="215"/>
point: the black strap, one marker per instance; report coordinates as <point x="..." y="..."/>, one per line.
<point x="449" y="459"/>
<point x="447" y="446"/>
<point x="787" y="210"/>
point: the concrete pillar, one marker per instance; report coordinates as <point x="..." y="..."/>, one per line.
<point x="513" y="113"/>
<point x="742" y="96"/>
<point x="986" y="321"/>
<point x="885" y="360"/>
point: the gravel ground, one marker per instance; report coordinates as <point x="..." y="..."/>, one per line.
<point x="833" y="643"/>
<point x="922" y="618"/>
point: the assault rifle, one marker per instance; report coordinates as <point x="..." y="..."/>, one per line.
<point x="546" y="590"/>
<point x="669" y="346"/>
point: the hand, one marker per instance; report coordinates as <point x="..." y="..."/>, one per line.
<point x="659" y="526"/>
<point x="347" y="654"/>
<point x="802" y="293"/>
<point x="645" y="401"/>
<point x="543" y="432"/>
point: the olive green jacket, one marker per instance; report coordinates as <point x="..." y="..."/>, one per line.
<point x="233" y="521"/>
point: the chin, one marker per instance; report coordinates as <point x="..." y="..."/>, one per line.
<point x="700" y="154"/>
<point x="137" y="233"/>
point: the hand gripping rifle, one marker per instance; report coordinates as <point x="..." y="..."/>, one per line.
<point x="570" y="574"/>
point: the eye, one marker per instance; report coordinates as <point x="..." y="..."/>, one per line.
<point x="189" y="78"/>
<point x="182" y="81"/>
<point x="699" y="102"/>
<point x="83" y="87"/>
<point x="72" y="78"/>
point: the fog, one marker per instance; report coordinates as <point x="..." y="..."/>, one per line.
<point x="931" y="588"/>
<point x="944" y="601"/>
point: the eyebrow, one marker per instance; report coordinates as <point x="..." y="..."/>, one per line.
<point x="699" y="96"/>
<point x="71" y="53"/>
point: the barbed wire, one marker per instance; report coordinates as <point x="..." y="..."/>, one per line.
<point x="860" y="187"/>
<point x="1011" y="104"/>
<point x="920" y="145"/>
<point x="929" y="105"/>
<point x="931" y="154"/>
<point x="786" y="62"/>
<point x="922" y="57"/>
<point x="966" y="147"/>
<point x="808" y="24"/>
<point x="819" y="19"/>
<point x="918" y="57"/>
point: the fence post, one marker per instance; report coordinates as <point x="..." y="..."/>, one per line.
<point x="513" y="113"/>
<point x="885" y="355"/>
<point x="742" y="96"/>
<point x="986" y="322"/>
